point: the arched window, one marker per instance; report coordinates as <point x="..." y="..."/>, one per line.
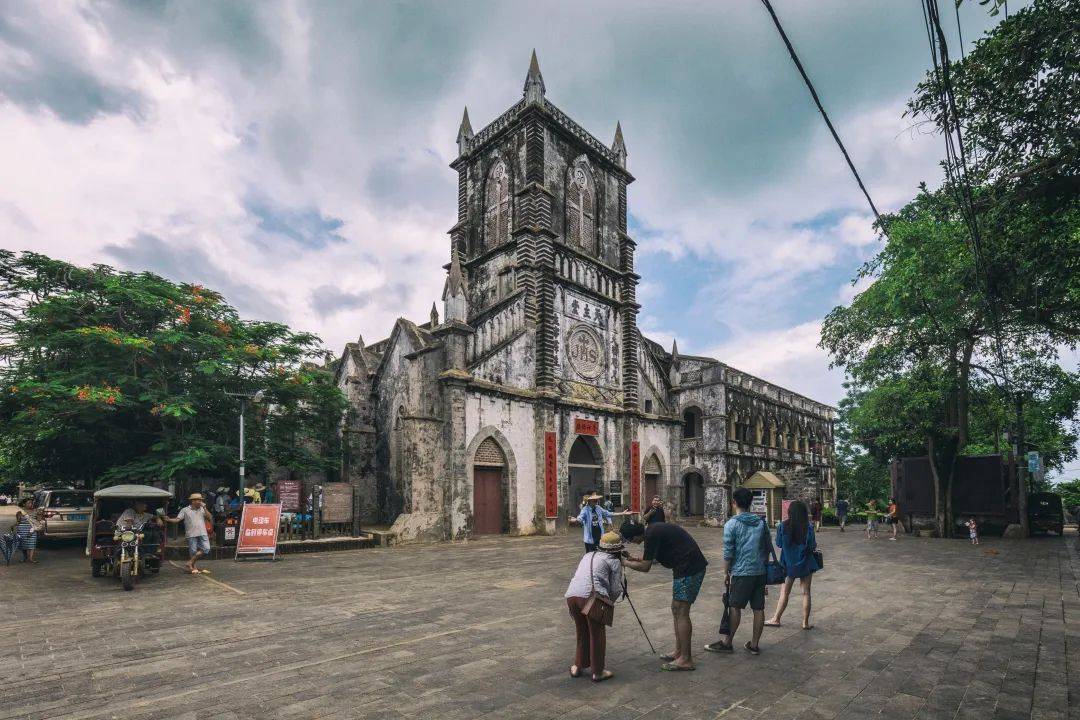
<point x="497" y="206"/>
<point x="581" y="207"/>
<point x="691" y="423"/>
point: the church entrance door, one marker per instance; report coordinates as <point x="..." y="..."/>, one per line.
<point x="487" y="501"/>
<point x="652" y="487"/>
<point x="585" y="473"/>
<point x="693" y="494"/>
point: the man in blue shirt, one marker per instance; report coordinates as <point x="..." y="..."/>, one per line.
<point x="746" y="542"/>
<point x="593" y="517"/>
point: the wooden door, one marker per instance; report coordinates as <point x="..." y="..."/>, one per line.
<point x="487" y="501"/>
<point x="651" y="487"/>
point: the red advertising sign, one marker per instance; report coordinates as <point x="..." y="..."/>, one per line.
<point x="551" y="478"/>
<point x="258" y="529"/>
<point x="635" y="476"/>
<point x="786" y="505"/>
<point x="288" y="492"/>
<point x="586" y="427"/>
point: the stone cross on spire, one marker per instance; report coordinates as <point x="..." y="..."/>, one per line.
<point x="619" y="147"/>
<point x="464" y="133"/>
<point x="534" y="82"/>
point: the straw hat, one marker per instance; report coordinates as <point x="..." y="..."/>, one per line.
<point x="611" y="541"/>
<point x="195" y="496"/>
<point x="594" y="496"/>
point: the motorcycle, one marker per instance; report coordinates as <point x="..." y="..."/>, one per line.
<point x="127" y="552"/>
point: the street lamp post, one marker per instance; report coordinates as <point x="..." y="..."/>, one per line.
<point x="244" y="397"/>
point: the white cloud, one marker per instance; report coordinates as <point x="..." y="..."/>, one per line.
<point x="788" y="356"/>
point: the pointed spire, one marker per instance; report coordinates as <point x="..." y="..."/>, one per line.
<point x="434" y="315"/>
<point x="465" y="133"/>
<point x="674" y="351"/>
<point x="534" y="82"/>
<point x="455" y="306"/>
<point x="619" y="147"/>
<point x="456" y="279"/>
<point x="360" y="342"/>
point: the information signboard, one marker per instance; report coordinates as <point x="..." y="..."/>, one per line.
<point x="288" y="492"/>
<point x="759" y="505"/>
<point x="337" y="502"/>
<point x="259" y="530"/>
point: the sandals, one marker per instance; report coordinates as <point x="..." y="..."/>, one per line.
<point x="751" y="649"/>
<point x="672" y="667"/>
<point x="606" y="675"/>
<point x="718" y="647"/>
<point x="770" y="623"/>
<point x="575" y="671"/>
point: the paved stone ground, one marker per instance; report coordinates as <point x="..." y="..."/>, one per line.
<point x="911" y="629"/>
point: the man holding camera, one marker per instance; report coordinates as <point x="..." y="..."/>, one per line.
<point x="674" y="548"/>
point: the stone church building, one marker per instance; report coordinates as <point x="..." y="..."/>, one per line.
<point x="536" y="386"/>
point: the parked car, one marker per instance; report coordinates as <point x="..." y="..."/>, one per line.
<point x="67" y="511"/>
<point x="1045" y="513"/>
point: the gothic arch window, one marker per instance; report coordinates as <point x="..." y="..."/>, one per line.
<point x="581" y="207"/>
<point x="497" y="206"/>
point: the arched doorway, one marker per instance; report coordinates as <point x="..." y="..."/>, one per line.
<point x="693" y="494"/>
<point x="585" y="467"/>
<point x="651" y="471"/>
<point x="489" y="471"/>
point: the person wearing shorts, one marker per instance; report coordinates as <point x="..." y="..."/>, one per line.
<point x="871" y="519"/>
<point x="746" y="543"/>
<point x="195" y="517"/>
<point x="674" y="548"/>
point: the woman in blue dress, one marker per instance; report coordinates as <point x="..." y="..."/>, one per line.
<point x="796" y="542"/>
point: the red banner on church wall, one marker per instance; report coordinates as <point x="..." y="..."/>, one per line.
<point x="635" y="476"/>
<point x="586" y="427"/>
<point x="551" y="478"/>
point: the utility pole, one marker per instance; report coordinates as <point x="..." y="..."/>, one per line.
<point x="1021" y="468"/>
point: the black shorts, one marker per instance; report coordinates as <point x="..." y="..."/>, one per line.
<point x="747" y="589"/>
<point x="890" y="520"/>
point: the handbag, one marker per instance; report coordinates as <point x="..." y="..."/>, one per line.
<point x="819" y="559"/>
<point x="775" y="572"/>
<point x="598" y="608"/>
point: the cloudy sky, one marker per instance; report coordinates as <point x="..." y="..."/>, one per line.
<point x="294" y="155"/>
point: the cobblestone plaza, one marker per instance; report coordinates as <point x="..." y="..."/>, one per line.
<point x="917" y="628"/>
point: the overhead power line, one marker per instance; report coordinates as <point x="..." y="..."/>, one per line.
<point x="824" y="115"/>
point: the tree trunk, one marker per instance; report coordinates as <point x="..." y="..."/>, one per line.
<point x="939" y="502"/>
<point x="963" y="396"/>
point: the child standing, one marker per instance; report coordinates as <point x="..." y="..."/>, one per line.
<point x="973" y="530"/>
<point x="871" y="519"/>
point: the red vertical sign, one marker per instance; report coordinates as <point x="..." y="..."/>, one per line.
<point x="551" y="478"/>
<point x="635" y="476"/>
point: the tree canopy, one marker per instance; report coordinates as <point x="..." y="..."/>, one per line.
<point x="113" y="376"/>
<point x="976" y="288"/>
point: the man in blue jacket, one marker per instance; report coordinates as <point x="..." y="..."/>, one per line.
<point x="746" y="542"/>
<point x="593" y="517"/>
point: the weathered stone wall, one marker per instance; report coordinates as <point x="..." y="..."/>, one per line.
<point x="510" y="421"/>
<point x="698" y="384"/>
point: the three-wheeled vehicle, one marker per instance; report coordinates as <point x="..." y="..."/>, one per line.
<point x="126" y="538"/>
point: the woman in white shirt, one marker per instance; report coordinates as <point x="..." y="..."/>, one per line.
<point x="600" y="569"/>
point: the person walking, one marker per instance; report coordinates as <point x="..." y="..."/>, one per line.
<point x="600" y="571"/>
<point x="796" y="540"/>
<point x="592" y="517"/>
<point x="973" y="530"/>
<point x="674" y="548"/>
<point x="28" y="523"/>
<point x="841" y="513"/>
<point x="746" y="545"/>
<point x="655" y="513"/>
<point x="195" y="517"/>
<point x="871" y="519"/>
<point x="893" y="517"/>
<point x="815" y="513"/>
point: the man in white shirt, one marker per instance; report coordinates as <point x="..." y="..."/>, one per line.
<point x="195" y="517"/>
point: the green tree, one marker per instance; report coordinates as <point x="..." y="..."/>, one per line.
<point x="116" y="376"/>
<point x="978" y="282"/>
